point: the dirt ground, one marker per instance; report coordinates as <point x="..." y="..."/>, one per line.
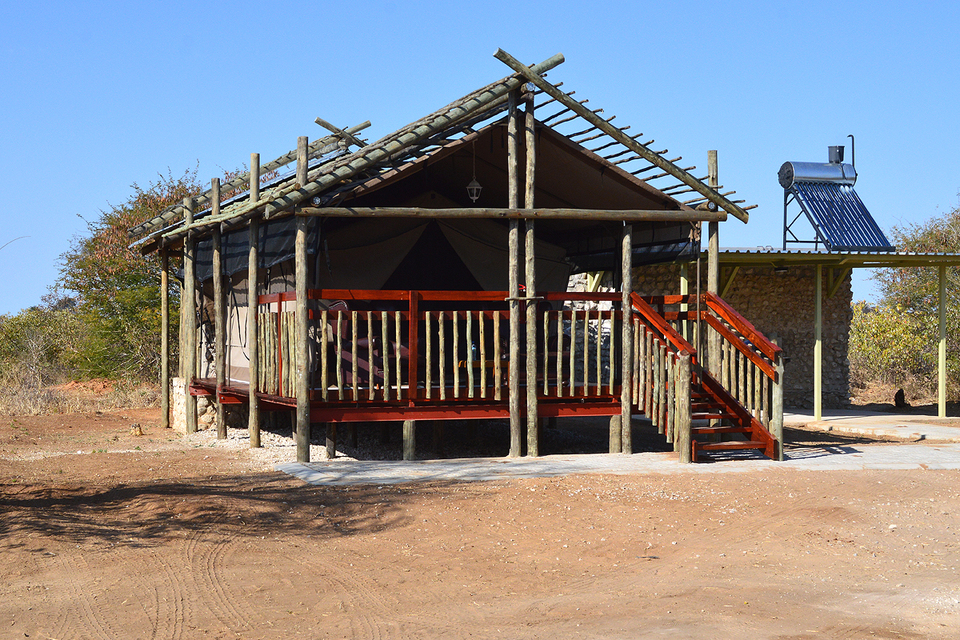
<point x="106" y="534"/>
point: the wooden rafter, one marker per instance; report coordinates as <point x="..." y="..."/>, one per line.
<point x="277" y="201"/>
<point x="615" y="133"/>
<point x="175" y="212"/>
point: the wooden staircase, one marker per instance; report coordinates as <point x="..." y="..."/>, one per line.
<point x="737" y="430"/>
<point x="719" y="422"/>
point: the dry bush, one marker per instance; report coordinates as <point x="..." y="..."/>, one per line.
<point x="890" y="346"/>
<point x="21" y="395"/>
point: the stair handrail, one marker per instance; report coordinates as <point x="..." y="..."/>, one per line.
<point x="659" y="323"/>
<point x="719" y="306"/>
<point x="765" y="366"/>
<point x="765" y="355"/>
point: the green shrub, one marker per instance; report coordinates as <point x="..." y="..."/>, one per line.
<point x="890" y="345"/>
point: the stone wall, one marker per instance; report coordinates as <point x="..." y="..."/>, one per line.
<point x="781" y="304"/>
<point x="206" y="410"/>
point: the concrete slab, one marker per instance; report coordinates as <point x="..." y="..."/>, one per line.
<point x="872" y="423"/>
<point x="827" y="458"/>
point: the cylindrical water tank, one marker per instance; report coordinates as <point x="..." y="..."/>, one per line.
<point x="792" y="172"/>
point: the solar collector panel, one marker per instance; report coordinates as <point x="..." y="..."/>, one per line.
<point x="840" y="217"/>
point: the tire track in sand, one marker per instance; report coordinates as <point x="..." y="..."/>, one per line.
<point x="365" y="608"/>
<point x="207" y="554"/>
<point x="83" y="617"/>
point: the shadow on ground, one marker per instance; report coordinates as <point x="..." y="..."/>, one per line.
<point x="150" y="513"/>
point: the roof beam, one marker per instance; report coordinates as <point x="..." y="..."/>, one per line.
<point x="203" y="200"/>
<point x="289" y="196"/>
<point x="836" y="279"/>
<point x="638" y="215"/>
<point x="725" y="289"/>
<point x="615" y="133"/>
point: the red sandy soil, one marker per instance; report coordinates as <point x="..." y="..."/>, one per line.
<point x="105" y="534"/>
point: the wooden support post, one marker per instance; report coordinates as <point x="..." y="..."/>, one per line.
<point x="942" y="345"/>
<point x="513" y="242"/>
<point x="530" y="276"/>
<point x="713" y="267"/>
<point x="302" y="145"/>
<point x="776" y="401"/>
<point x="671" y="397"/>
<point x="253" y="291"/>
<point x="302" y="375"/>
<point x="164" y="338"/>
<point x="188" y="303"/>
<point x="219" y="312"/>
<point x="331" y="441"/>
<point x="682" y="427"/>
<point x="685" y="291"/>
<point x="675" y="383"/>
<point x="818" y="347"/>
<point x="409" y="440"/>
<point x="626" y="343"/>
<point x="616" y="428"/>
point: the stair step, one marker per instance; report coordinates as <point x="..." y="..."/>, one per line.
<point x="708" y="408"/>
<point x="705" y="403"/>
<point x="697" y="430"/>
<point x="733" y="445"/>
<point x="713" y="415"/>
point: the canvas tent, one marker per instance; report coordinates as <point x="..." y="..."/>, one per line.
<point x="380" y="255"/>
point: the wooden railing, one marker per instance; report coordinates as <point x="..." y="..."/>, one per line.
<point x="405" y="347"/>
<point x="743" y="369"/>
<point x="745" y="363"/>
<point x="365" y="348"/>
<point x="663" y="359"/>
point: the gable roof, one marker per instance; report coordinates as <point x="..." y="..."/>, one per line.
<point x="337" y="173"/>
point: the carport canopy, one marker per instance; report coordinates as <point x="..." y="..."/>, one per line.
<point x="838" y="266"/>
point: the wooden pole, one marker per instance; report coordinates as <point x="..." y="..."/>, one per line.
<point x="409" y="440"/>
<point x="219" y="317"/>
<point x="626" y="346"/>
<point x="536" y="213"/>
<point x="682" y="427"/>
<point x="776" y="401"/>
<point x="685" y="291"/>
<point x="818" y="347"/>
<point x="253" y="290"/>
<point x="942" y="346"/>
<point x="189" y="304"/>
<point x="530" y="276"/>
<point x="164" y="338"/>
<point x="331" y="440"/>
<point x="513" y="242"/>
<point x="713" y="267"/>
<point x="303" y="354"/>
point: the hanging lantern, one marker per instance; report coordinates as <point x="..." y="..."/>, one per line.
<point x="473" y="189"/>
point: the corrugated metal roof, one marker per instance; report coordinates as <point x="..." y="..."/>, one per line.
<point x="872" y="259"/>
<point x="840" y="217"/>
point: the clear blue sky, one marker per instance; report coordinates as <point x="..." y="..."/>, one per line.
<point x="100" y="95"/>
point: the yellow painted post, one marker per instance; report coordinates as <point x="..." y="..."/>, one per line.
<point x="818" y="348"/>
<point x="942" y="347"/>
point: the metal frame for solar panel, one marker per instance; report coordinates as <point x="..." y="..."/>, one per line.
<point x="826" y="197"/>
